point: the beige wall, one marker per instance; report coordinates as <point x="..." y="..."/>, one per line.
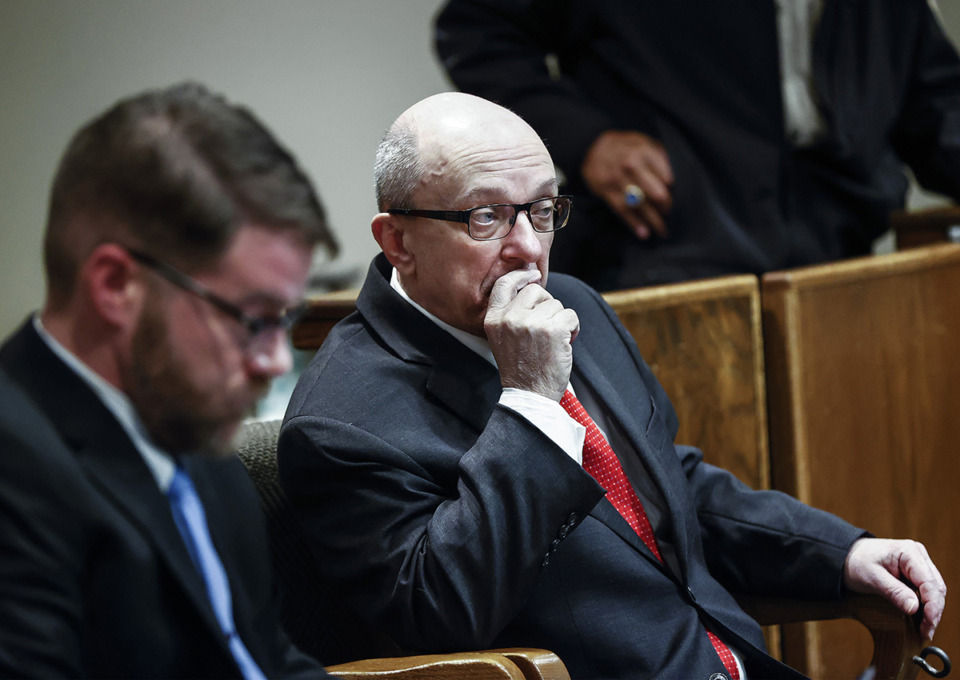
<point x="326" y="75"/>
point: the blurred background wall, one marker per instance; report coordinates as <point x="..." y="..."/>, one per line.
<point x="327" y="76"/>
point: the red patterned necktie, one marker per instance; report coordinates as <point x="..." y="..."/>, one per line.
<point x="602" y="464"/>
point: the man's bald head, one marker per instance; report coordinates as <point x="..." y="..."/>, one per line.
<point x="436" y="131"/>
<point x="457" y="154"/>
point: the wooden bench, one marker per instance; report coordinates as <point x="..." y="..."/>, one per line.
<point x="703" y="341"/>
<point x="862" y="379"/>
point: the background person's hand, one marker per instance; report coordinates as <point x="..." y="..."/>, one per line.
<point x="621" y="158"/>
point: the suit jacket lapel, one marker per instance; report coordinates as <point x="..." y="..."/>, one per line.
<point x="463" y="381"/>
<point x="130" y="486"/>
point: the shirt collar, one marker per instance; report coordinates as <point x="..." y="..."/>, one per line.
<point x="474" y="343"/>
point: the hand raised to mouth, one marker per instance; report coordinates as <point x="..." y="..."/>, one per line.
<point x="530" y="334"/>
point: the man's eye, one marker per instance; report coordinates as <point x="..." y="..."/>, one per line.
<point x="483" y="216"/>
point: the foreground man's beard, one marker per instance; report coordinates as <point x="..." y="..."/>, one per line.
<point x="178" y="416"/>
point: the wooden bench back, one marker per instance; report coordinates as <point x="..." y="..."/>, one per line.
<point x="703" y="341"/>
<point x="862" y="380"/>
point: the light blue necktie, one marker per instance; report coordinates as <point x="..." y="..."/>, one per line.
<point x="192" y="522"/>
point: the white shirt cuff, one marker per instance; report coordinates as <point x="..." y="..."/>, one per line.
<point x="549" y="417"/>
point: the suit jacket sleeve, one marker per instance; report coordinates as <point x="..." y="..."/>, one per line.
<point x="497" y="49"/>
<point x="436" y="545"/>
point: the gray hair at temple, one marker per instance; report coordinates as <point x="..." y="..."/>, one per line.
<point x="398" y="166"/>
<point x="174" y="172"/>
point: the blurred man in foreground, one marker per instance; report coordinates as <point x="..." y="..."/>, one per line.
<point x="132" y="544"/>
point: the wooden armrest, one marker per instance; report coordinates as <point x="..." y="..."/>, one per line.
<point x="536" y="664"/>
<point x="507" y="664"/>
<point x="896" y="636"/>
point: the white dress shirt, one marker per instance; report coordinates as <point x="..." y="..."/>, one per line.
<point x="797" y="22"/>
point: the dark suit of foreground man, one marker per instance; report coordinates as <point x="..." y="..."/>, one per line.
<point x="445" y="492"/>
<point x="179" y="232"/>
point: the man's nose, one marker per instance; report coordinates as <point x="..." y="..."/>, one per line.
<point x="269" y="353"/>
<point x="523" y="241"/>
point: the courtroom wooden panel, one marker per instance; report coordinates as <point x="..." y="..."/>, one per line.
<point x="703" y="341"/>
<point x="862" y="382"/>
<point x="323" y="312"/>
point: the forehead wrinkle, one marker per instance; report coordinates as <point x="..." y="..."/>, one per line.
<point x="485" y="171"/>
<point x="546" y="189"/>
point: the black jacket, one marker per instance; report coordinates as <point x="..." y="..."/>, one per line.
<point x="95" y="580"/>
<point x="703" y="78"/>
<point x="451" y="522"/>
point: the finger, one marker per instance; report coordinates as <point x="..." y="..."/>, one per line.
<point x="926" y="578"/>
<point x="658" y="162"/>
<point x="649" y="158"/>
<point x="573" y="323"/>
<point x="632" y="218"/>
<point x="508" y="286"/>
<point x="652" y="218"/>
<point x="656" y="190"/>
<point x="644" y="220"/>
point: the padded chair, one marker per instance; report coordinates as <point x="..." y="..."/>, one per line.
<point x="319" y="622"/>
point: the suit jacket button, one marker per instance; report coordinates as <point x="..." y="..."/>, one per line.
<point x="719" y="676"/>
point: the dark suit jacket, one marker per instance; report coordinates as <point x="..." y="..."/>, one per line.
<point x="453" y="523"/>
<point x="703" y="78"/>
<point x="95" y="580"/>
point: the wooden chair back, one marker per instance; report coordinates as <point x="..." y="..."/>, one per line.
<point x="862" y="379"/>
<point x="321" y="315"/>
<point x="703" y="341"/>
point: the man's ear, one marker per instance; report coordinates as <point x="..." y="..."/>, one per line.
<point x="389" y="231"/>
<point x="115" y="290"/>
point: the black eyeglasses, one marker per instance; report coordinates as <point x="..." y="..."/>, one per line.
<point x="492" y="222"/>
<point x="257" y="327"/>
